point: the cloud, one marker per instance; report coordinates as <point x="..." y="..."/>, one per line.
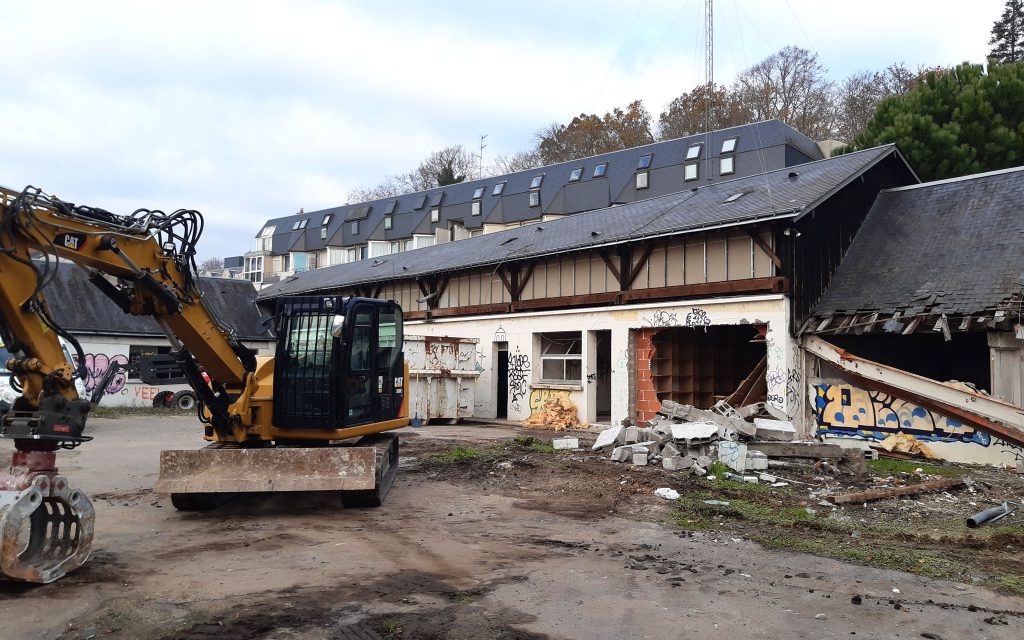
<point x="250" y="110"/>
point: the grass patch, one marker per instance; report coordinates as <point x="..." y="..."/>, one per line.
<point x="534" y="444"/>
<point x="456" y="454"/>
<point x="891" y="467"/>
<point x="1013" y="584"/>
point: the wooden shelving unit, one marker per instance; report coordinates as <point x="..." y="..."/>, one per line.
<point x="699" y="368"/>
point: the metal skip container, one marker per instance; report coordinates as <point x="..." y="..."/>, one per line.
<point x="442" y="377"/>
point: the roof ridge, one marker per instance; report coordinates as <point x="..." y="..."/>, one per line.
<point x="972" y="176"/>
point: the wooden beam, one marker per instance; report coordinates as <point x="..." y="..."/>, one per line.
<point x="525" y="279"/>
<point x="471" y="310"/>
<point x="639" y="265"/>
<point x="895" y="492"/>
<point x="377" y="290"/>
<point x="440" y="291"/>
<point x="505" y="282"/>
<point x="611" y="267"/>
<point x="424" y="287"/>
<point x="751" y="285"/>
<point x="567" y="301"/>
<point x="759" y="241"/>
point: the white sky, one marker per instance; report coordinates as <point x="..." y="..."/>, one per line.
<point x="250" y="110"/>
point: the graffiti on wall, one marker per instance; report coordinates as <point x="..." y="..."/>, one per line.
<point x="499" y="334"/>
<point x="697" y="317"/>
<point x="96" y="364"/>
<point x="539" y="396"/>
<point x="845" y="410"/>
<point x="661" y="319"/>
<point x="518" y="377"/>
<point x="782" y="384"/>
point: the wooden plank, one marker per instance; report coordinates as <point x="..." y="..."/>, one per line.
<point x="567" y="301"/>
<point x="751" y="285"/>
<point x="737" y="397"/>
<point x="477" y="309"/>
<point x="815" y="450"/>
<point x="638" y="266"/>
<point x="895" y="492"/>
<point x="611" y="267"/>
<point x="763" y="246"/>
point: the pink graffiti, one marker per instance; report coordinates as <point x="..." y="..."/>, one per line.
<point x="97" y="365"/>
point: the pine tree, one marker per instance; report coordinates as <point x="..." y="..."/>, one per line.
<point x="1008" y="34"/>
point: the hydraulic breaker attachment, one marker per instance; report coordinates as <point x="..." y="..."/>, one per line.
<point x="204" y="478"/>
<point x="46" y="526"/>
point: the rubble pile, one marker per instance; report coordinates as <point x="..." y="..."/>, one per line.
<point x="683" y="437"/>
<point x="558" y="413"/>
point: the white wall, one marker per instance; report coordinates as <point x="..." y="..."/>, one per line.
<point x="100" y="351"/>
<point x="519" y="330"/>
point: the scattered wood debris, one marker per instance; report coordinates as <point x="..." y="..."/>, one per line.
<point x="905" y="443"/>
<point x="558" y="413"/>
<point x="893" y="492"/>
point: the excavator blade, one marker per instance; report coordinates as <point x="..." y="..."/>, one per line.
<point x="228" y="470"/>
<point x="45" y="530"/>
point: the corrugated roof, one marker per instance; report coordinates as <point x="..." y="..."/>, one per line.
<point x="770" y="195"/>
<point x="952" y="247"/>
<point x="80" y="308"/>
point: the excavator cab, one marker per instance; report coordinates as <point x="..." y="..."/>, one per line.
<point x="339" y="362"/>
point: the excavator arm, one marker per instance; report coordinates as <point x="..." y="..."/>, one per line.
<point x="339" y="372"/>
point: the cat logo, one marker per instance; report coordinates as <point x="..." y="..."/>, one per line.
<point x="73" y="241"/>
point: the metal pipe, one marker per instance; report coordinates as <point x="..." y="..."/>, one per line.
<point x="991" y="514"/>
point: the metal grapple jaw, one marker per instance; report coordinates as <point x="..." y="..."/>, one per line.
<point x="46" y="527"/>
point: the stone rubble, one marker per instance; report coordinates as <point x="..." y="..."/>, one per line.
<point x="684" y="438"/>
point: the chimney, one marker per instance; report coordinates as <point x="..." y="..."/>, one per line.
<point x="302" y="210"/>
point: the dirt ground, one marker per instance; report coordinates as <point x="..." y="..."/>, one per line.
<point x="487" y="537"/>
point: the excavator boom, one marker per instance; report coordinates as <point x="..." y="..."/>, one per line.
<point x="273" y="424"/>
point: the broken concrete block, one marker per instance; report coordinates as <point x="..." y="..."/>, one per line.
<point x="632" y="435"/>
<point x="733" y="455"/>
<point x="565" y="443"/>
<point x="667" y="492"/>
<point x="669" y="450"/>
<point x="677" y="463"/>
<point x="703" y="461"/>
<point x="767" y="429"/>
<point x="607" y="437"/>
<point x="698" y="470"/>
<point x="750" y="410"/>
<point x="693" y="414"/>
<point x="622" y="454"/>
<point x="756" y="461"/>
<point x="750" y="479"/>
<point x="767" y="477"/>
<point x="640" y="457"/>
<point x="689" y="431"/>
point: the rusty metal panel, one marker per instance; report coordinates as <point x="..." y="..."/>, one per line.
<point x="267" y="469"/>
<point x="443" y="373"/>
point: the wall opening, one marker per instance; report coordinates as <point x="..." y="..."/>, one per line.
<point x="599" y="378"/>
<point x="501" y="380"/>
<point x="965" y="358"/>
<point x="700" y="366"/>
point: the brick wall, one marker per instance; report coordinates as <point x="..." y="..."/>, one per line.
<point x="647" y="403"/>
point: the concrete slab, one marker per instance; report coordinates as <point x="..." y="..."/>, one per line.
<point x="607" y="437"/>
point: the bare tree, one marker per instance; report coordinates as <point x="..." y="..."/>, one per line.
<point x="392" y="186"/>
<point x="447" y="166"/>
<point x="860" y="94"/>
<point x="590" y="134"/>
<point x="790" y="85"/>
<point x="687" y="114"/>
<point x="518" y="161"/>
<point x="211" y="264"/>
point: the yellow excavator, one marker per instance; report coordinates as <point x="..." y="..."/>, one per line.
<point x="311" y="418"/>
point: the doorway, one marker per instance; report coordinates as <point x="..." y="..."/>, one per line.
<point x="501" y="384"/>
<point x="599" y="378"/>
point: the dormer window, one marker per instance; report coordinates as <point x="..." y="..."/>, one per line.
<point x="387" y="222"/>
<point x="479" y="193"/>
<point x="537" y="180"/>
<point x="353" y="227"/>
<point x="435" y="214"/>
<point x="727" y="165"/>
<point x="691" y="171"/>
<point x="693" y="152"/>
<point x="641" y="179"/>
<point x="729" y="145"/>
<point x="475" y="208"/>
<point x="575" y="175"/>
<point x="600" y="170"/>
<point x="326" y="221"/>
<point x="645" y="161"/>
<point x="420" y="201"/>
<point x="535" y="198"/>
<point x="498" y="188"/>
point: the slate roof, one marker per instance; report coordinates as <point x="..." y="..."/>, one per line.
<point x="953" y="247"/>
<point x="782" y="193"/>
<point x="411" y="212"/>
<point x="80" y="308"/>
